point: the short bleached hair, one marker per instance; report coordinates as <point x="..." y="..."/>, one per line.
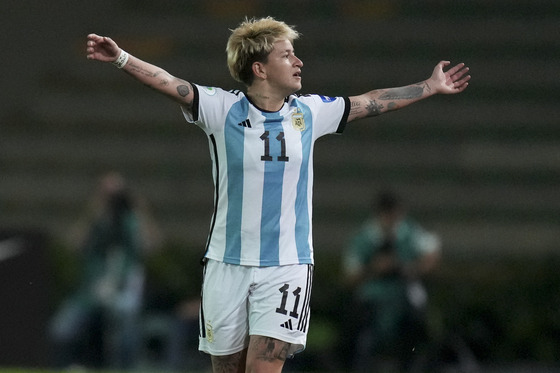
<point x="252" y="41"/>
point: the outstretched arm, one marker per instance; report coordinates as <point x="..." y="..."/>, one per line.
<point x="379" y="101"/>
<point x="104" y="49"/>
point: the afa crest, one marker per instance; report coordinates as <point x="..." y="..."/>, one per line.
<point x="209" y="332"/>
<point x="297" y="120"/>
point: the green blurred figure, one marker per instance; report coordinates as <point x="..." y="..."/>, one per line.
<point x="384" y="265"/>
<point x="97" y="325"/>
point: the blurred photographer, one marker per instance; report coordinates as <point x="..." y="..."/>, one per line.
<point x="97" y="325"/>
<point x="383" y="266"/>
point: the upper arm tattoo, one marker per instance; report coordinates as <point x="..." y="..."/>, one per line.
<point x="183" y="90"/>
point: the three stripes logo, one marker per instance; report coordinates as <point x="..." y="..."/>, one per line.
<point x="246" y="123"/>
<point x="287" y="325"/>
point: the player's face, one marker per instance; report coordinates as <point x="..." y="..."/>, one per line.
<point x="284" y="68"/>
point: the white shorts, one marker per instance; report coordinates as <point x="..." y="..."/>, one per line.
<point x="239" y="301"/>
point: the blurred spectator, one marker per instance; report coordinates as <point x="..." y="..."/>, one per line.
<point x="183" y="354"/>
<point x="98" y="325"/>
<point x="383" y="266"/>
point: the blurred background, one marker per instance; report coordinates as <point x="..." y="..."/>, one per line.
<point x="482" y="169"/>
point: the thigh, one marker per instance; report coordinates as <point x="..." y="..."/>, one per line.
<point x="234" y="363"/>
<point x="266" y="354"/>
<point x="279" y="304"/>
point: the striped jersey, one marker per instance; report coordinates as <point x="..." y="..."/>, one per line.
<point x="263" y="175"/>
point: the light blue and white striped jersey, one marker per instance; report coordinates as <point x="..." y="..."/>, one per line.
<point x="263" y="174"/>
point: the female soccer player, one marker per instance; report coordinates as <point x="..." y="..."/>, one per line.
<point x="259" y="255"/>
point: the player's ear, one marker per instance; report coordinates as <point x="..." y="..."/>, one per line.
<point x="259" y="70"/>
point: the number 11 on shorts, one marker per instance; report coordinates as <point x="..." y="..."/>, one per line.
<point x="285" y="295"/>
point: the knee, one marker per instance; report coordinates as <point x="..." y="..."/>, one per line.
<point x="264" y="366"/>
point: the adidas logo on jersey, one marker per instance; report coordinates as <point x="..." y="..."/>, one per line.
<point x="245" y="123"/>
<point x="287" y="325"/>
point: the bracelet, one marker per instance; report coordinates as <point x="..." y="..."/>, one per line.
<point x="121" y="61"/>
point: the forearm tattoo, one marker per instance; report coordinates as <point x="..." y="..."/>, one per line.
<point x="139" y="69"/>
<point x="163" y="80"/>
<point x="355" y="108"/>
<point x="373" y="108"/>
<point x="403" y="93"/>
<point x="371" y="105"/>
<point x="160" y="77"/>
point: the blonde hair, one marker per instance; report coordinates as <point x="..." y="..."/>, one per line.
<point x="251" y="42"/>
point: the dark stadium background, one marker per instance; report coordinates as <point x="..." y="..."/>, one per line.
<point x="481" y="168"/>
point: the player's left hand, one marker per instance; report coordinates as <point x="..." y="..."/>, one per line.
<point x="454" y="80"/>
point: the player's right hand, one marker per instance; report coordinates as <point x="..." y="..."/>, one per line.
<point x="101" y="48"/>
